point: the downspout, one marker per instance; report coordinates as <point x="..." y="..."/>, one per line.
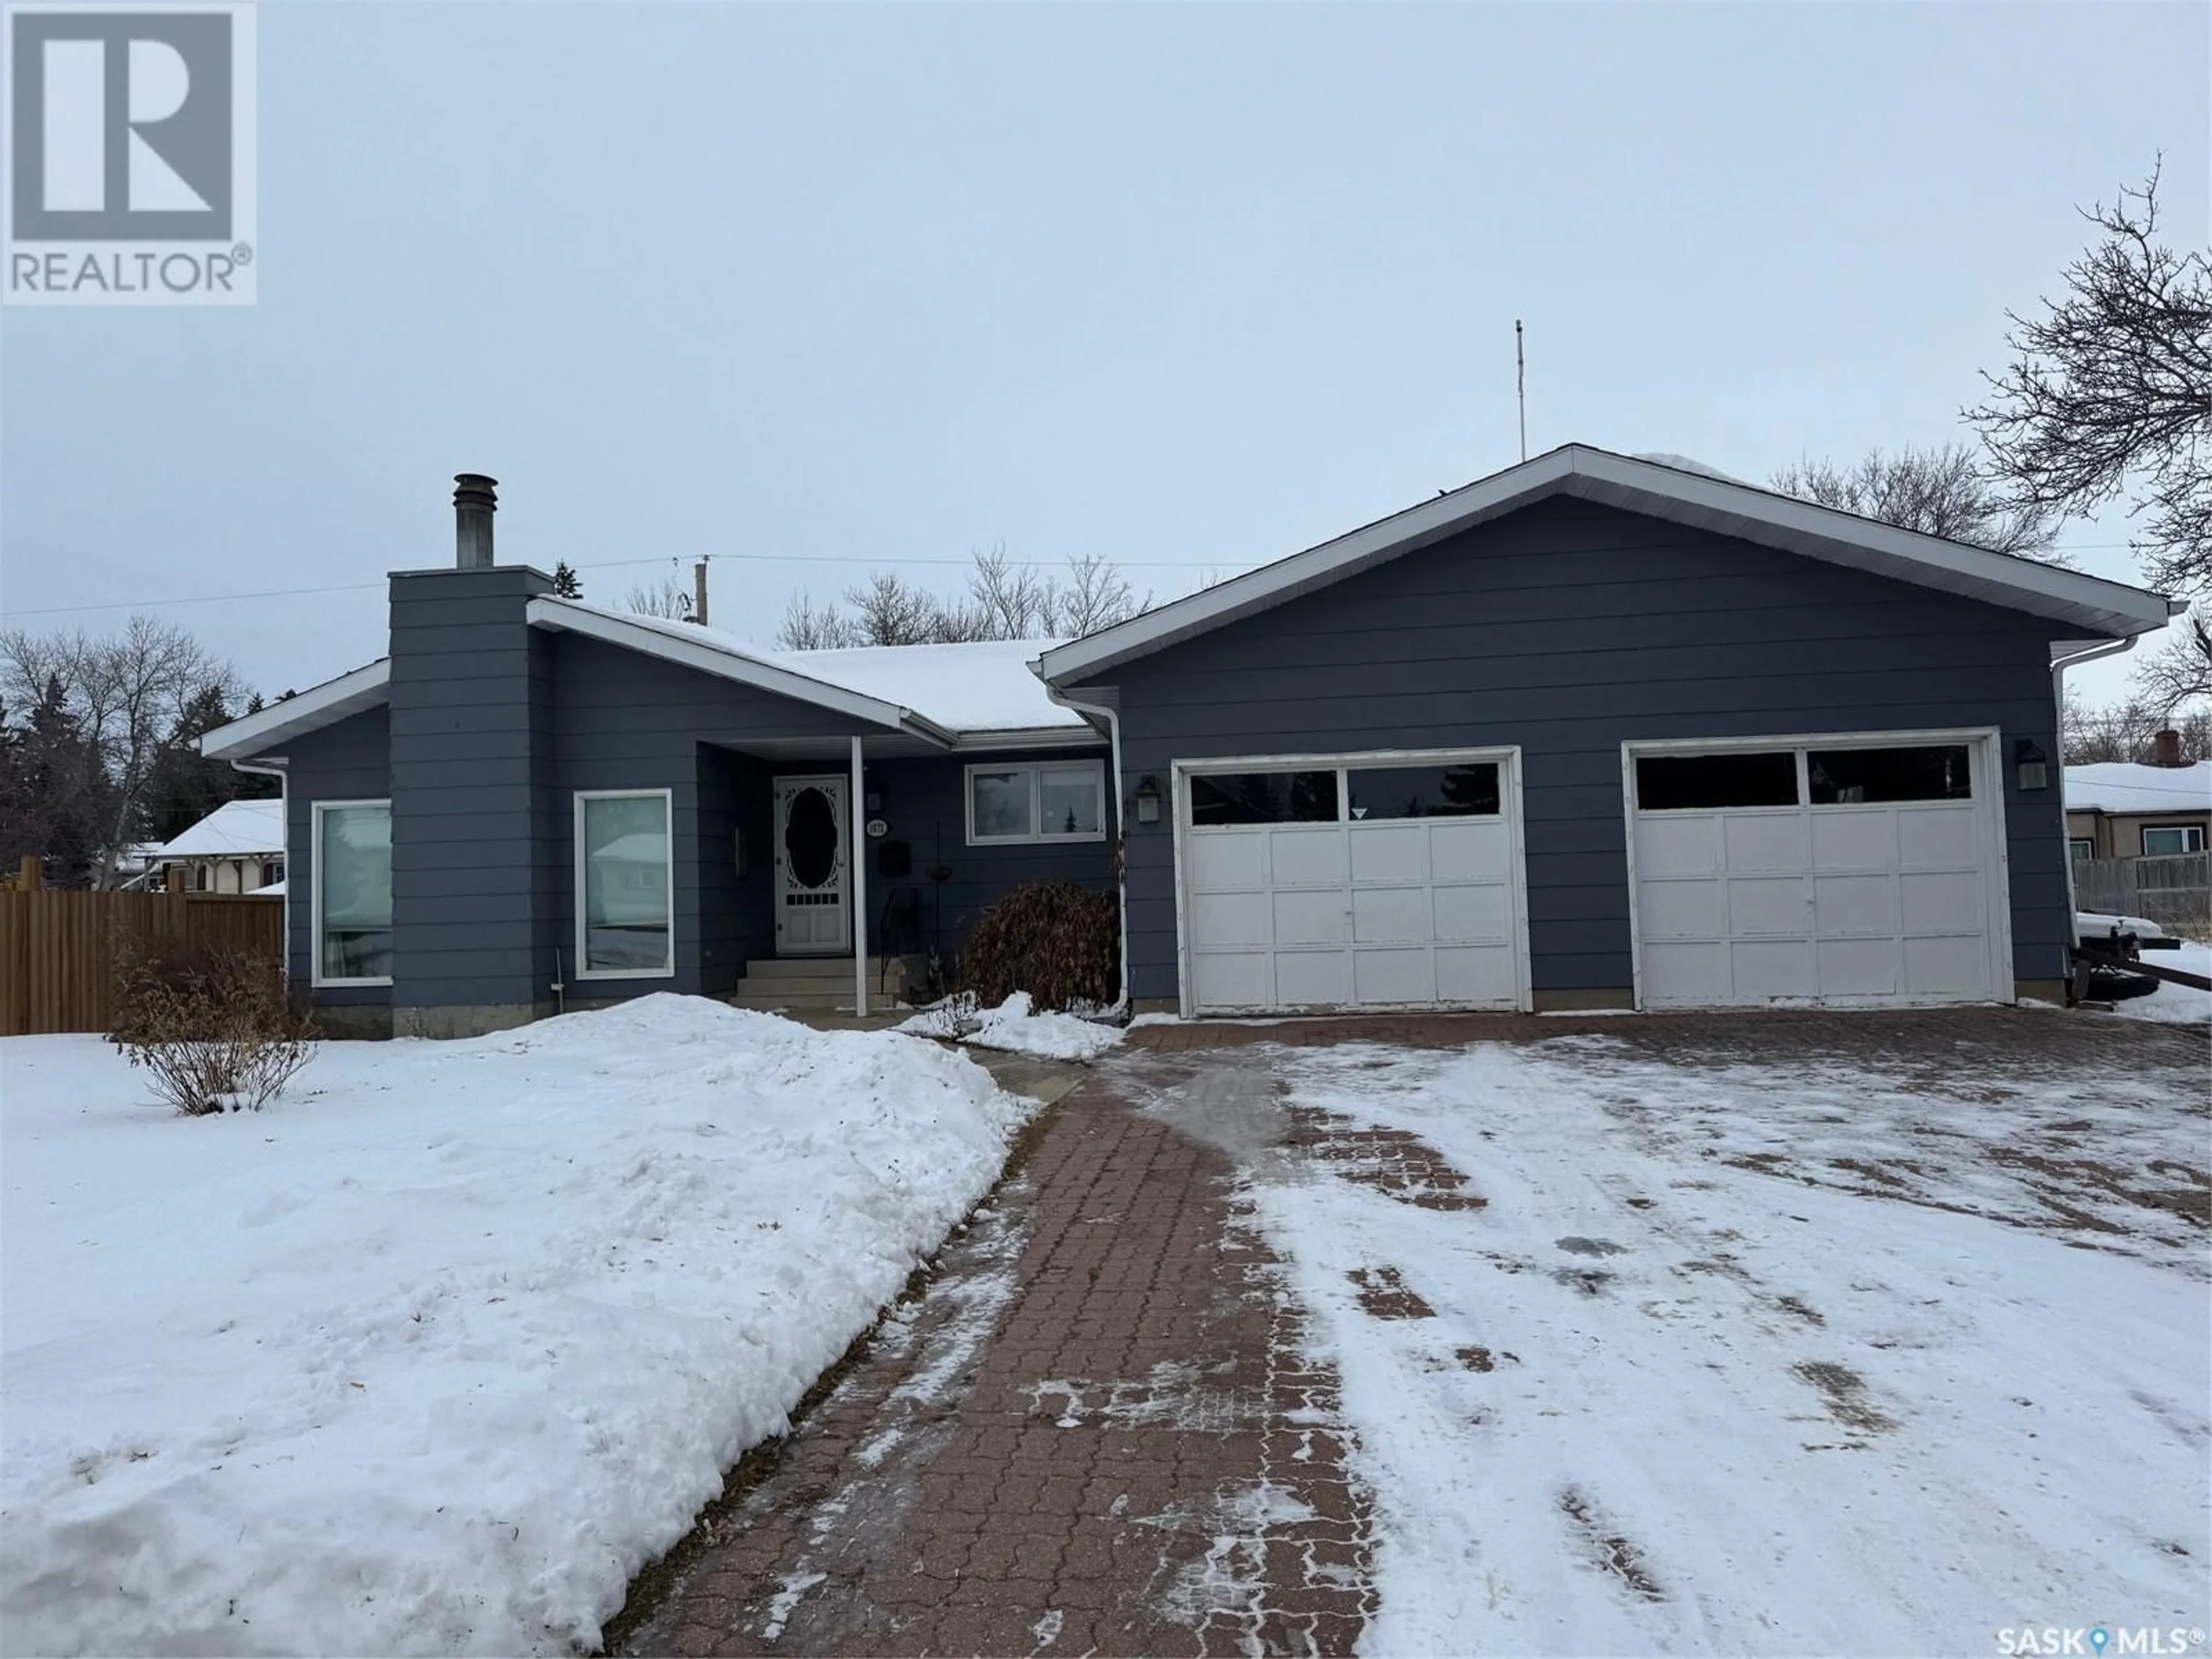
<point x="1112" y="720"/>
<point x="276" y="769"/>
<point x="2058" y="668"/>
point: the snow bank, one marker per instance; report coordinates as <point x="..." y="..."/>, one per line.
<point x="1013" y="1025"/>
<point x="433" y="1354"/>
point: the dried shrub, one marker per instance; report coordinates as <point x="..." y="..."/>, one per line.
<point x="212" y="1025"/>
<point x="1058" y="942"/>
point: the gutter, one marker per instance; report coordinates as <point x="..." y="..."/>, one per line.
<point x="1113" y="719"/>
<point x="277" y="769"/>
<point x="2058" y="667"/>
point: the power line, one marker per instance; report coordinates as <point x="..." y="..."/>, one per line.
<point x="592" y="564"/>
<point x="617" y="564"/>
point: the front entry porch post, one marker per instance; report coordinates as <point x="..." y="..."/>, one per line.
<point x="856" y="814"/>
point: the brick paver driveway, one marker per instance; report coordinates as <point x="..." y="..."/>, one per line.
<point x="1097" y="1431"/>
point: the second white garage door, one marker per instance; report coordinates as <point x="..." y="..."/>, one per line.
<point x="1351" y="882"/>
<point x="1848" y="870"/>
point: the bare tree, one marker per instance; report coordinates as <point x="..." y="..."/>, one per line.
<point x="2109" y="393"/>
<point x="807" y="627"/>
<point x="1005" y="600"/>
<point x="1946" y="491"/>
<point x="2180" y="671"/>
<point x="892" y="612"/>
<point x="670" y="600"/>
<point x="127" y="695"/>
<point x="1096" y="595"/>
<point x="2128" y="731"/>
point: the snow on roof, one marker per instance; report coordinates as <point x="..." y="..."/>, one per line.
<point x="986" y="686"/>
<point x="235" y="828"/>
<point x="1684" y="464"/>
<point x="2123" y="787"/>
<point x="274" y="890"/>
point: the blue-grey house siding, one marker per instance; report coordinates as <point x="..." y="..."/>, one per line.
<point x="924" y="804"/>
<point x="347" y="760"/>
<point x="1568" y="628"/>
<point x="470" y="704"/>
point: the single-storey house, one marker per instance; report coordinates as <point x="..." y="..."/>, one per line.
<point x="2121" y="810"/>
<point x="237" y="848"/>
<point x="1593" y="732"/>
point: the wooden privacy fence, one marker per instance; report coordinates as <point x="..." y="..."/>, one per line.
<point x="2175" y="891"/>
<point x="58" y="950"/>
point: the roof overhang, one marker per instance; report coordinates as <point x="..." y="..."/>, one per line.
<point x="2085" y="605"/>
<point x="709" y="657"/>
<point x="260" y="733"/>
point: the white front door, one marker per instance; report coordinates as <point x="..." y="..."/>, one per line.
<point x="813" y="898"/>
<point x="1355" y="881"/>
<point x="1862" y="869"/>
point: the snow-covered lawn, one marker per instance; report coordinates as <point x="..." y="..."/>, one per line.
<point x="431" y="1356"/>
<point x="2177" y="1004"/>
<point x="1759" y="1355"/>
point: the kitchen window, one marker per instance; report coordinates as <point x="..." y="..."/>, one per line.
<point x="1037" y="801"/>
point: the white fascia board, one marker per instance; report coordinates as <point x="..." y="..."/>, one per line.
<point x="318" y="705"/>
<point x="1038" y="737"/>
<point x="2107" y="607"/>
<point x="560" y="615"/>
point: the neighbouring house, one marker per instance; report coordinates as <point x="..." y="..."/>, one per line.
<point x="1593" y="732"/>
<point x="2119" y="809"/>
<point x="237" y="848"/>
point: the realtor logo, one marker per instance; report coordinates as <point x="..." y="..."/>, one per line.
<point x="132" y="148"/>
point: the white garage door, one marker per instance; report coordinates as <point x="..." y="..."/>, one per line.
<point x="1857" y="870"/>
<point x="1352" y="883"/>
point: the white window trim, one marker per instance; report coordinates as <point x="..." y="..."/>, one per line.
<point x="668" y="854"/>
<point x="2185" y="830"/>
<point x="317" y="977"/>
<point x="1036" y="769"/>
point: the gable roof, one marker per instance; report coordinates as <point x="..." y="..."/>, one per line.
<point x="2087" y="605"/>
<point x="236" y="828"/>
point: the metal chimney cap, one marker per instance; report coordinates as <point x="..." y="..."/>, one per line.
<point x="475" y="489"/>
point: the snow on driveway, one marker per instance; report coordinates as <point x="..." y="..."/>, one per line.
<point x="1750" y="1355"/>
<point x="435" y="1353"/>
<point x="2181" y="1005"/>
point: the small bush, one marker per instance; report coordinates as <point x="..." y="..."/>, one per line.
<point x="1058" y="942"/>
<point x="212" y="1025"/>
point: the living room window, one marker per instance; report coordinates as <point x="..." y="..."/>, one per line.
<point x="1033" y="801"/>
<point x="625" y="866"/>
<point x="352" y="898"/>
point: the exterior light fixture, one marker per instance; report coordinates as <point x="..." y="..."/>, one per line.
<point x="2028" y="758"/>
<point x="1148" y="801"/>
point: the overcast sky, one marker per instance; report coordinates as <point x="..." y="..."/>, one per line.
<point x="814" y="290"/>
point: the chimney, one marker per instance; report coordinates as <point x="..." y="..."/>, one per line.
<point x="699" y="592"/>
<point x="475" y="500"/>
<point x="2165" y="749"/>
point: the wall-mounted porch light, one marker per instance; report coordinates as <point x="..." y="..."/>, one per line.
<point x="1148" y="801"/>
<point x="2028" y="758"/>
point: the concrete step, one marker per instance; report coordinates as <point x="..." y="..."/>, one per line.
<point x="794" y="970"/>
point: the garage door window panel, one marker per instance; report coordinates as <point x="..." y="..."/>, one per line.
<point x="1708" y="783"/>
<point x="1423" y="791"/>
<point x="1853" y="777"/>
<point x="1234" y="798"/>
